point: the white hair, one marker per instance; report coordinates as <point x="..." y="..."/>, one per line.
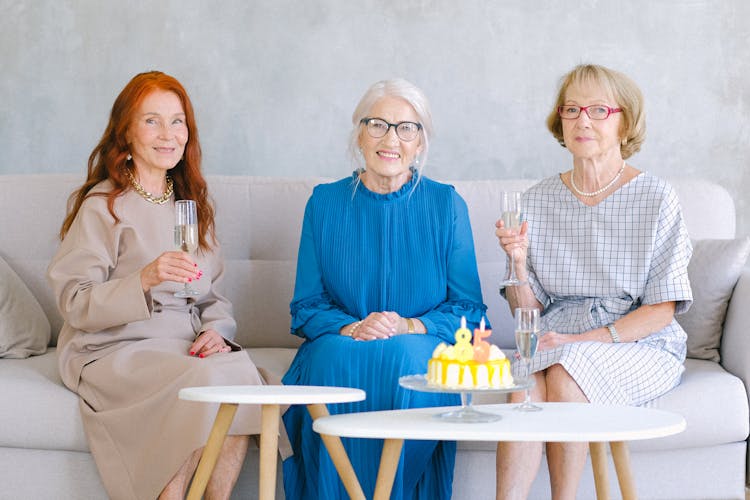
<point x="403" y="89"/>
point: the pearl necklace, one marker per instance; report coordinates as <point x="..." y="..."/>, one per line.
<point x="600" y="190"/>
<point x="148" y="196"/>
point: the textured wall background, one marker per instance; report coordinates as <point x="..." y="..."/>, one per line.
<point x="274" y="82"/>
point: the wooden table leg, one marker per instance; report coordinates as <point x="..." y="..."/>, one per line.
<point x="599" y="466"/>
<point x="388" y="466"/>
<point x="622" y="466"/>
<point x="211" y="451"/>
<point x="338" y="455"/>
<point x="269" y="444"/>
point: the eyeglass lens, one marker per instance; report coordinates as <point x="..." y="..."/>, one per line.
<point x="406" y="131"/>
<point x="593" y="112"/>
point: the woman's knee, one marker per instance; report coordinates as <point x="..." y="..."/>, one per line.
<point x="561" y="386"/>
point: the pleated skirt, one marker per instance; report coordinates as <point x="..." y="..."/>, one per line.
<point x="425" y="468"/>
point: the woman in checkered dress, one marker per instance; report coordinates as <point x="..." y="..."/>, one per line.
<point x="603" y="254"/>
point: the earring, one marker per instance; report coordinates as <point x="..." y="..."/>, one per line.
<point x="129" y="157"/>
<point x="624" y="141"/>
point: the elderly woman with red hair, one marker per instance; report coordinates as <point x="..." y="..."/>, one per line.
<point x="128" y="343"/>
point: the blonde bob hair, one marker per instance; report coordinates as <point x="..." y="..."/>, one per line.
<point x="402" y="89"/>
<point x="623" y="90"/>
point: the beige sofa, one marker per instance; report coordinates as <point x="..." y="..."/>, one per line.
<point x="43" y="451"/>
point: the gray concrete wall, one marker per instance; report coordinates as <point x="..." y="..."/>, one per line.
<point x="274" y="82"/>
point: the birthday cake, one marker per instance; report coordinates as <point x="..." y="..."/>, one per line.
<point x="480" y="365"/>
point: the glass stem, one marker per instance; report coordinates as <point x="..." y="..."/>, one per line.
<point x="512" y="274"/>
<point x="527" y="399"/>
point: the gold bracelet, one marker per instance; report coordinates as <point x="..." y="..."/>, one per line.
<point x="409" y="325"/>
<point x="352" y="329"/>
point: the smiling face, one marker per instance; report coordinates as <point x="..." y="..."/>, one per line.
<point x="158" y="133"/>
<point x="586" y="138"/>
<point x="388" y="158"/>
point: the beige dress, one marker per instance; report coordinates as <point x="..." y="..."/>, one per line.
<point x="126" y="352"/>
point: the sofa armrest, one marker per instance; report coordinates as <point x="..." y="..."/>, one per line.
<point x="735" y="340"/>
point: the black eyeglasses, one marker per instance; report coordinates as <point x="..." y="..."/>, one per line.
<point x="595" y="111"/>
<point x="377" y="128"/>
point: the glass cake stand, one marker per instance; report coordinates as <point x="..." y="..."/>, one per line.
<point x="466" y="413"/>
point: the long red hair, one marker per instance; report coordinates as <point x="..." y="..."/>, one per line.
<point x="108" y="160"/>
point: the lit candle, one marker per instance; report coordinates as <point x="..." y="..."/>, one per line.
<point x="481" y="348"/>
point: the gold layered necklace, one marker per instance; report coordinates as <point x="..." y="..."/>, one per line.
<point x="148" y="196"/>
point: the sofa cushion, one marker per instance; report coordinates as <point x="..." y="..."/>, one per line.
<point x="24" y="328"/>
<point x="272" y="362"/>
<point x="713" y="270"/>
<point x="721" y="417"/>
<point x="44" y="414"/>
<point x="38" y="412"/>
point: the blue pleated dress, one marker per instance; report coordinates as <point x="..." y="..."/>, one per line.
<point x="411" y="252"/>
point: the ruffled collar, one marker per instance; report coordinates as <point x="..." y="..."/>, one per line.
<point x="360" y="188"/>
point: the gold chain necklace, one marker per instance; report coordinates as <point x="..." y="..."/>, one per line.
<point x="148" y="196"/>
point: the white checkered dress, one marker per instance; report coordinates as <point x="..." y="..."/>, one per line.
<point x="591" y="265"/>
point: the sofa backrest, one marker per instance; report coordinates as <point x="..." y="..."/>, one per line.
<point x="259" y="222"/>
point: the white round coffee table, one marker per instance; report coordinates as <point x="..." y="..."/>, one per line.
<point x="557" y="422"/>
<point x="271" y="398"/>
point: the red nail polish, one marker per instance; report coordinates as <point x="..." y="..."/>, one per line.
<point x="195" y="265"/>
<point x="190" y="280"/>
<point x="192" y="353"/>
<point x="201" y="355"/>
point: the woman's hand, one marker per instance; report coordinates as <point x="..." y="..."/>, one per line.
<point x="208" y="343"/>
<point x="169" y="266"/>
<point x="377" y="325"/>
<point x="550" y="340"/>
<point x="513" y="241"/>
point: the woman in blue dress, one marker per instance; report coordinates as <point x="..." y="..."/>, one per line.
<point x="386" y="269"/>
<point x="604" y="254"/>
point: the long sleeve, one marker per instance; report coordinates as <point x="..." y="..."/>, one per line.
<point x="89" y="297"/>
<point x="464" y="295"/>
<point x="314" y="312"/>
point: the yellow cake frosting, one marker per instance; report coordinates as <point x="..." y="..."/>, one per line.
<point x="446" y="370"/>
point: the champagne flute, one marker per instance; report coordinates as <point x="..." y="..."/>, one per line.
<point x="186" y="236"/>
<point x="510" y="206"/>
<point x="527" y="328"/>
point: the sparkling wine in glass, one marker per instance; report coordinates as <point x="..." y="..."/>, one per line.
<point x="510" y="206"/>
<point x="527" y="337"/>
<point x="186" y="236"/>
